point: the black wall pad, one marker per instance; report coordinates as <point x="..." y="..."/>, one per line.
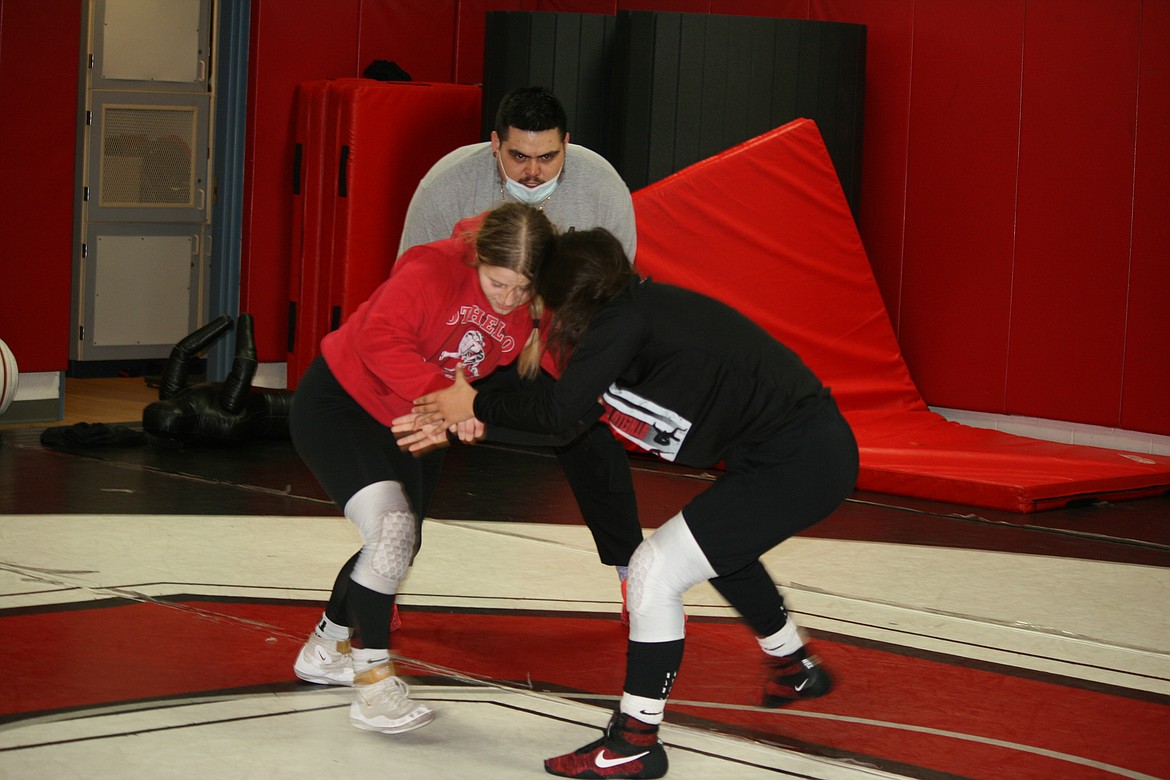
<point x="654" y="92"/>
<point x="571" y="54"/>
<point x="688" y="86"/>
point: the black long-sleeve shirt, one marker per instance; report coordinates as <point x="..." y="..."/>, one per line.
<point x="679" y="374"/>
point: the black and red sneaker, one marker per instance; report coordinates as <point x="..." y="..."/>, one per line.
<point x="630" y="748"/>
<point x="795" y="676"/>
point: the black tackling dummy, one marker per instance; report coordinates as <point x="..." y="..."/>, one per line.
<point x="225" y="412"/>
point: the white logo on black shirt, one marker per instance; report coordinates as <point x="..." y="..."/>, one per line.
<point x="645" y="423"/>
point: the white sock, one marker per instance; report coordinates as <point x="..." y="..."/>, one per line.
<point x="644" y="709"/>
<point x="327" y="629"/>
<point x="364" y="658"/>
<point x="786" y="641"/>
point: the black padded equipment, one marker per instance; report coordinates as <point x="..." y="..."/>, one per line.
<point x="227" y="412"/>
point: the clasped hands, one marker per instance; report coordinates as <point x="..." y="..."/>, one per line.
<point x="436" y="414"/>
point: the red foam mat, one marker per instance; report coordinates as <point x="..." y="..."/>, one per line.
<point x="304" y="264"/>
<point x="363" y="146"/>
<point x="766" y="228"/>
<point x="386" y="136"/>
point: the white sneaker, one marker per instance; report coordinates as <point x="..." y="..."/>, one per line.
<point x="325" y="662"/>
<point x="386" y="706"/>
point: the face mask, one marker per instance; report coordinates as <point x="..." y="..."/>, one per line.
<point x="530" y="195"/>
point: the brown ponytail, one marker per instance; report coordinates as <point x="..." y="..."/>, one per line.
<point x="530" y="356"/>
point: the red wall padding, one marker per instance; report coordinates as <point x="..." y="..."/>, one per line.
<point x="417" y="34"/>
<point x="393" y="133"/>
<point x="1145" y="388"/>
<point x="470" y="25"/>
<point x="955" y="113"/>
<point x="1066" y="347"/>
<point x="38" y="136"/>
<point x="765" y="227"/>
<point x="308" y="234"/>
<point x="957" y="290"/>
<point x="292" y="41"/>
<point x="1014" y="204"/>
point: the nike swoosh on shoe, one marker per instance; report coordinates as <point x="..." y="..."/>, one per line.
<point x="606" y="763"/>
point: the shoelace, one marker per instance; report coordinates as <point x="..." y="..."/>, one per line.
<point x="392" y="688"/>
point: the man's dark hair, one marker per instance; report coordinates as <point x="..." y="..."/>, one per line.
<point x="532" y="109"/>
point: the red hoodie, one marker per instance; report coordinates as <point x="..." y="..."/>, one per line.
<point x="431" y="314"/>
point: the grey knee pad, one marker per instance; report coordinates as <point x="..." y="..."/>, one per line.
<point x="662" y="569"/>
<point x="384" y="520"/>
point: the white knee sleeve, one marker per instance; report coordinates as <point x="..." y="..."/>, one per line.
<point x="383" y="517"/>
<point x="662" y="569"/>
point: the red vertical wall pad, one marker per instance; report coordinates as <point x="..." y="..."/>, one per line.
<point x="419" y="35"/>
<point x="470" y="24"/>
<point x="387" y="136"/>
<point x="1067" y="346"/>
<point x="38" y="87"/>
<point x="368" y="143"/>
<point x="308" y="186"/>
<point x="290" y="42"/>
<point x="1146" y="374"/>
<point x="969" y="226"/>
<point x="766" y="228"/>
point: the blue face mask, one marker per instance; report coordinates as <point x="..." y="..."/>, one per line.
<point x="533" y="196"/>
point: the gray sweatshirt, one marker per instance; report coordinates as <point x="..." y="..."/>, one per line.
<point x="466" y="182"/>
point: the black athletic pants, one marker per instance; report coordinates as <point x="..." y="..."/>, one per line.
<point x="347" y="450"/>
<point x="772" y="490"/>
<point x="597" y="468"/>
